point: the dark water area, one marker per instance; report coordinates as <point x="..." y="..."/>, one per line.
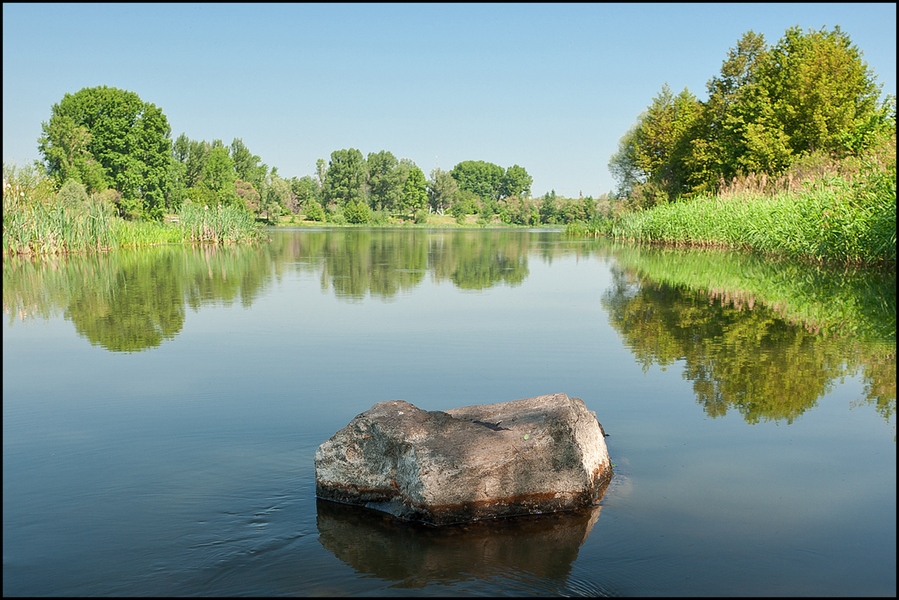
<point x="161" y="410"/>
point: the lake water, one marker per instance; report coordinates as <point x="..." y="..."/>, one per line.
<point x="161" y="410"/>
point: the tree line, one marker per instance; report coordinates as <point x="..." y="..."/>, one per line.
<point x="119" y="148"/>
<point x="809" y="96"/>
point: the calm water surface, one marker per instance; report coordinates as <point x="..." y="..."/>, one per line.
<point x="161" y="410"/>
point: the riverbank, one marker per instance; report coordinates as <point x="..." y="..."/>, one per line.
<point x="58" y="227"/>
<point x="835" y="219"/>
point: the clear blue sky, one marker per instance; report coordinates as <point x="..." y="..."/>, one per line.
<point x="550" y="87"/>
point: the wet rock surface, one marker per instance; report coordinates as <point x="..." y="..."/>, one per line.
<point x="530" y="456"/>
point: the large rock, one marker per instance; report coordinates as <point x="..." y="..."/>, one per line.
<point x="529" y="456"/>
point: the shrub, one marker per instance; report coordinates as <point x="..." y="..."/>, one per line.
<point x="72" y="193"/>
<point x="357" y="213"/>
<point x="314" y="211"/>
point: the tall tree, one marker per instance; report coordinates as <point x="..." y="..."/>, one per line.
<point x="219" y="178"/>
<point x="443" y="191"/>
<point x="820" y="88"/>
<point x="129" y="138"/>
<point x="345" y="177"/>
<point x="385" y="181"/>
<point x="516" y="182"/>
<point x="66" y="150"/>
<point x="248" y="166"/>
<point x="415" y="193"/>
<point x="483" y="178"/>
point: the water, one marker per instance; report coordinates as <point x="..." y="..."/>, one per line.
<point x="161" y="410"/>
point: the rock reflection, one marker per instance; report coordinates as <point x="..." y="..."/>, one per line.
<point x="414" y="555"/>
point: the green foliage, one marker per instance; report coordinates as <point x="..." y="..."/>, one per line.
<point x="415" y="192"/>
<point x="305" y="190"/>
<point x="357" y="212"/>
<point x="345" y="178"/>
<point x="73" y="193"/>
<point x="443" y="191"/>
<point x="385" y="181"/>
<point x="104" y="136"/>
<point x="820" y="88"/>
<point x="518" y="211"/>
<point x="768" y="108"/>
<point x="219" y="177"/>
<point x="313" y="210"/>
<point x="836" y="221"/>
<point x="247" y="166"/>
<point x="516" y="182"/>
<point x="483" y="178"/>
<point x="549" y="209"/>
<point x="421" y="217"/>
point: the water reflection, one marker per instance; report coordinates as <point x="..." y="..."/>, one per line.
<point x="413" y="555"/>
<point x="132" y="300"/>
<point x="749" y="340"/>
<point x="763" y="337"/>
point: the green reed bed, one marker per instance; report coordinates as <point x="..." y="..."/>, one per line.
<point x="45" y="228"/>
<point x="833" y="220"/>
<point x="221" y="224"/>
<point x="56" y="228"/>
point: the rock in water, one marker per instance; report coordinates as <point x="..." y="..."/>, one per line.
<point x="529" y="456"/>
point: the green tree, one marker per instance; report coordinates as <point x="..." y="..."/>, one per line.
<point x="128" y="138"/>
<point x="549" y="209"/>
<point x="276" y="197"/>
<point x="516" y="182"/>
<point x="820" y="88"/>
<point x="357" y="212"/>
<point x="443" y="191"/>
<point x="66" y="149"/>
<point x="306" y="191"/>
<point x="219" y="178"/>
<point x="415" y="192"/>
<point x="385" y="181"/>
<point x="661" y="139"/>
<point x="247" y="165"/>
<point x="736" y="132"/>
<point x="623" y="164"/>
<point x="345" y="178"/>
<point x="483" y="178"/>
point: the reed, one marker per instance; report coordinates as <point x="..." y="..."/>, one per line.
<point x="48" y="226"/>
<point x="56" y="228"/>
<point x="221" y="224"/>
<point x="830" y="220"/>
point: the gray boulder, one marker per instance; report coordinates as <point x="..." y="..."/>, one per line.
<point x="529" y="456"/>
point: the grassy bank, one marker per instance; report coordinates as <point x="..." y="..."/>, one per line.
<point x="831" y="219"/>
<point x="56" y="227"/>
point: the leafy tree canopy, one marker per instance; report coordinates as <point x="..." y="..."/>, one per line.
<point x="107" y="137"/>
<point x="345" y="177"/>
<point x="768" y="107"/>
<point x="483" y="178"/>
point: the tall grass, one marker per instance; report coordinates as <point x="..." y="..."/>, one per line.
<point x="49" y="226"/>
<point x="221" y="224"/>
<point x="56" y="228"/>
<point x="832" y="220"/>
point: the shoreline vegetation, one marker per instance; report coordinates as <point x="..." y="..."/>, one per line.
<point x="834" y="215"/>
<point x="782" y="159"/>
